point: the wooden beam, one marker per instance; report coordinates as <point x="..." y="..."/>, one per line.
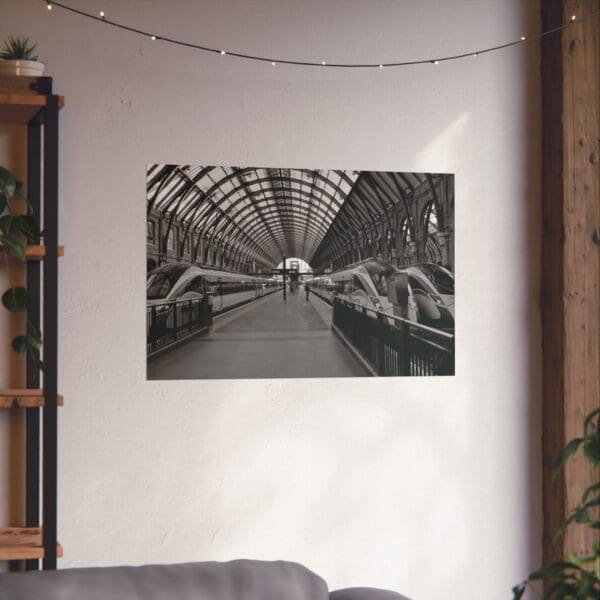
<point x="570" y="256"/>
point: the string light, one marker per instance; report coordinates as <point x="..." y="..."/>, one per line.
<point x="307" y="63"/>
<point x="153" y="38"/>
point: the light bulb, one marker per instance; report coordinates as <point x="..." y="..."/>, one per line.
<point x="381" y="66"/>
<point x="273" y="62"/>
<point x="573" y="17"/>
<point x="523" y="38"/>
<point x="323" y="63"/>
<point x="436" y="62"/>
<point x="153" y="38"/>
<point x="102" y="14"/>
<point x="223" y="52"/>
<point x="49" y="6"/>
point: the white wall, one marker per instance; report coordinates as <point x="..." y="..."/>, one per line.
<point x="426" y="486"/>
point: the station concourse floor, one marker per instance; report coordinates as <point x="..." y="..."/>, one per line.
<point x="267" y="339"/>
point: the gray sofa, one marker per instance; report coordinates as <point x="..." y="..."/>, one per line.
<point x="235" y="580"/>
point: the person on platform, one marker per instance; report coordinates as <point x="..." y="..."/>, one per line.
<point x="306" y="289"/>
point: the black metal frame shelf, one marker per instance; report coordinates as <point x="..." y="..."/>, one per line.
<point x="31" y="101"/>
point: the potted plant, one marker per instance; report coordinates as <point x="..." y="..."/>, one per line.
<point x="576" y="577"/>
<point x="18" y="58"/>
<point x="15" y="231"/>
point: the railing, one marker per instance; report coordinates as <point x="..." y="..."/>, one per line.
<point x="392" y="345"/>
<point x="171" y="322"/>
<point x="324" y="294"/>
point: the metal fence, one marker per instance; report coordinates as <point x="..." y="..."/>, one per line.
<point x="392" y="345"/>
<point x="170" y="322"/>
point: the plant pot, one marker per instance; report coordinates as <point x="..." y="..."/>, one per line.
<point x="31" y="68"/>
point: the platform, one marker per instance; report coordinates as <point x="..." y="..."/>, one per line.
<point x="265" y="339"/>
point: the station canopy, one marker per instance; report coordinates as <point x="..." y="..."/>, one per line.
<point x="271" y="213"/>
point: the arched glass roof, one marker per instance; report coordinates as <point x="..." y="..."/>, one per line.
<point x="267" y="213"/>
<point x="271" y="212"/>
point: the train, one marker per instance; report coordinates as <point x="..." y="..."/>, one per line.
<point x="225" y="289"/>
<point x="430" y="290"/>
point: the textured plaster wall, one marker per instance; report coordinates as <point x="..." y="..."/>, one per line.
<point x="425" y="486"/>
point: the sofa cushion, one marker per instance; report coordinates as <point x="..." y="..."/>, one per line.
<point x="236" y="580"/>
<point x="365" y="594"/>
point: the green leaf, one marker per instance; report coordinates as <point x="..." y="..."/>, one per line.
<point x="595" y="487"/>
<point x="20" y="344"/>
<point x="566" y="452"/>
<point x="13" y="245"/>
<point x="3" y="203"/>
<point x="589" y="419"/>
<point x="29" y="227"/>
<point x="6" y="223"/>
<point x="518" y="591"/>
<point x="582" y="516"/>
<point x="591" y="448"/>
<point x="34" y="337"/>
<point x="8" y="183"/>
<point x="15" y="299"/>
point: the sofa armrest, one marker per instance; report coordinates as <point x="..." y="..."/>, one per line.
<point x="365" y="594"/>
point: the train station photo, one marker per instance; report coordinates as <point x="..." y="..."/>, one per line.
<point x="293" y="273"/>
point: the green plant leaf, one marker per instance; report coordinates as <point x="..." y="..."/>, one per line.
<point x="29" y="227"/>
<point x="6" y="223"/>
<point x="19" y="344"/>
<point x="8" y="183"/>
<point x="17" y="47"/>
<point x="34" y="336"/>
<point x="566" y="452"/>
<point x="14" y="245"/>
<point x="15" y="299"/>
<point x="591" y="448"/>
<point x="589" y="419"/>
<point x="518" y="591"/>
<point x="595" y="487"/>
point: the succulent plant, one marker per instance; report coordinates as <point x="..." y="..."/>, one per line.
<point x="17" y="47"/>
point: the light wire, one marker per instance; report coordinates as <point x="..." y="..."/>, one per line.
<point x="322" y="64"/>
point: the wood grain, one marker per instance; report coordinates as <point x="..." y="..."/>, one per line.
<point x="21" y="108"/>
<point x="24" y="398"/>
<point x="570" y="257"/>
<point x="21" y="543"/>
<point x="35" y="252"/>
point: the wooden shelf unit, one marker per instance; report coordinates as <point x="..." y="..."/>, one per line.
<point x="30" y="101"/>
<point x="37" y="252"/>
<point x="23" y="543"/>
<point x="25" y="398"/>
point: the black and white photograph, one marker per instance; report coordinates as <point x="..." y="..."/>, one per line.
<point x="293" y="273"/>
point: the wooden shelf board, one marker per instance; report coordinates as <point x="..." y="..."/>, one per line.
<point x="22" y="107"/>
<point x="21" y="543"/>
<point x="24" y="398"/>
<point x="34" y="252"/>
